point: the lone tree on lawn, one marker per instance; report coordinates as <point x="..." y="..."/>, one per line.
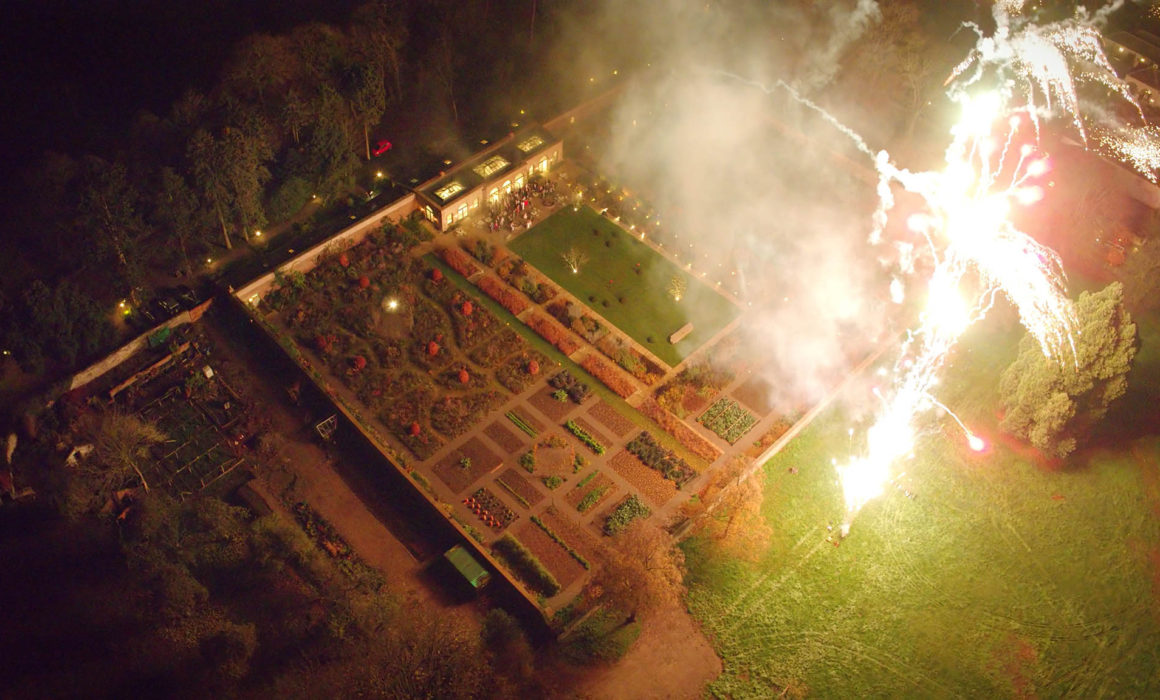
<point x="677" y="286"/>
<point x="734" y="520"/>
<point x="642" y="570"/>
<point x="574" y="258"/>
<point x="1053" y="403"/>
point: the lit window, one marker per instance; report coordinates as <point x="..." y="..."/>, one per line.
<point x="530" y="143"/>
<point x="449" y="190"/>
<point x="491" y="166"/>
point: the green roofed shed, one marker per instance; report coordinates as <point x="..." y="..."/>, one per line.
<point x="467" y="566"/>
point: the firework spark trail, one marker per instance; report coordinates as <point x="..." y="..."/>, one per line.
<point x="977" y="251"/>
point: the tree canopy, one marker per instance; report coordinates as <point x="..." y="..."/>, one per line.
<point x="1053" y="403"/>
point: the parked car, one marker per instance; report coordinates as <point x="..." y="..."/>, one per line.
<point x="382" y="147"/>
<point x="166" y="306"/>
<point x="143" y="318"/>
<point x="186" y="296"/>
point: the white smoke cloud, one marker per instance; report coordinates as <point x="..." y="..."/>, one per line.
<point x="753" y="182"/>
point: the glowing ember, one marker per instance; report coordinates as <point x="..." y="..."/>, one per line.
<point x="976" y="443"/>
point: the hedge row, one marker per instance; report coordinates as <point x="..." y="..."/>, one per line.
<point x="458" y="261"/>
<point x="554" y="333"/>
<point x="609" y="376"/>
<point x="525" y="565"/>
<point x="504" y="295"/>
<point x="683" y="433"/>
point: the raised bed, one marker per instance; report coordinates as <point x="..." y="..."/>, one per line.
<point x="519" y="487"/>
<point x="462" y="466"/>
<point x="507" y="439"/>
<point x="650" y="483"/>
<point x="727" y="419"/>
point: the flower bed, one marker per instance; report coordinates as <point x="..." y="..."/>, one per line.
<point x="622" y="516"/>
<point x="504" y="295"/>
<point x="547" y="328"/>
<point x="683" y="433"/>
<point x="454" y="415"/>
<point x="526" y="566"/>
<point x="490" y="509"/>
<point x="636" y="364"/>
<point x="498" y="347"/>
<point x="457" y="260"/>
<point x="728" y="419"/>
<point x="516" y="375"/>
<point x="610" y="377"/>
<point x="654" y="456"/>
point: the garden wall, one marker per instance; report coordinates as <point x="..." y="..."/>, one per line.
<point x="101" y="367"/>
<point x="349" y="237"/>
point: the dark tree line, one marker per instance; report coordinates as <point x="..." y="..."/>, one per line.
<point x="291" y="116"/>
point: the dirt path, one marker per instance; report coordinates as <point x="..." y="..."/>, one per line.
<point x="312" y="474"/>
<point x="671" y="660"/>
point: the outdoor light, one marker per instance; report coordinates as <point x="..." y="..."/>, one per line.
<point x="208" y="261"/>
<point x="392" y="304"/>
<point x="121" y="304"/>
<point x="379" y="174"/>
<point x="258" y="234"/>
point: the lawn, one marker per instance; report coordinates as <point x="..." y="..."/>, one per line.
<point x="619" y="266"/>
<point x="997" y="579"/>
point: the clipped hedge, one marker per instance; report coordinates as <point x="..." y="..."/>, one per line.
<point x="457" y="260"/>
<point x="526" y="566"/>
<point x="609" y="376"/>
<point x="504" y="295"/>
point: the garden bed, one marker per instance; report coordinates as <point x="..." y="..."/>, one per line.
<point x="727" y="419"/>
<point x="655" y="456"/>
<point x="519" y="487"/>
<point x="554" y="409"/>
<point x="650" y="483"/>
<point x="505" y="438"/>
<point x="572" y="532"/>
<point x="610" y="418"/>
<point x="588" y="436"/>
<point x="590" y="492"/>
<point x="554" y="557"/>
<point x="490" y="509"/>
<point x="464" y="465"/>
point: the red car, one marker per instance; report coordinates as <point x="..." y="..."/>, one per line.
<point x="382" y="147"/>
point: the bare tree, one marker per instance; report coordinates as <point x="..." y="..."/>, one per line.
<point x="733" y="517"/>
<point x="642" y="570"/>
<point x="574" y="258"/>
<point x="121" y="443"/>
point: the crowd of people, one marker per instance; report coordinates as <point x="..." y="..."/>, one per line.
<point x="516" y="210"/>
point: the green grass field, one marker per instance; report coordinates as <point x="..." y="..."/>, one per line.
<point x="610" y="273"/>
<point x="998" y="579"/>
